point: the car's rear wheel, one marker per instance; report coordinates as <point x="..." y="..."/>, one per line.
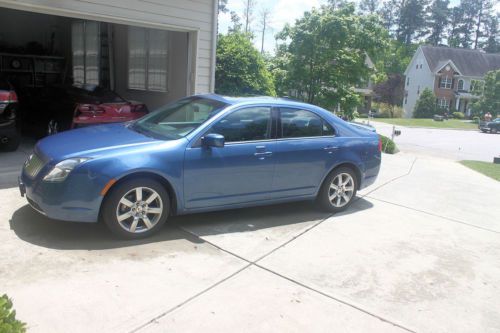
<point x="338" y="190"/>
<point x="136" y="208"/>
<point x="494" y="130"/>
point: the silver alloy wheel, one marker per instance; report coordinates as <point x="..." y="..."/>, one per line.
<point x="139" y="210"/>
<point x="52" y="127"/>
<point x="341" y="190"/>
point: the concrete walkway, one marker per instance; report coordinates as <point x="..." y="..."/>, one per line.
<point x="418" y="251"/>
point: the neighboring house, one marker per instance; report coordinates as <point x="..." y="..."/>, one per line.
<point x="365" y="89"/>
<point x="451" y="73"/>
<point x="153" y="51"/>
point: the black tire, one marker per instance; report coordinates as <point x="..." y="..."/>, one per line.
<point x="10" y="140"/>
<point x="326" y="192"/>
<point x="493" y="131"/>
<point x="112" y="208"/>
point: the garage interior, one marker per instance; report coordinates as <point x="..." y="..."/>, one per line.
<point x="40" y="51"/>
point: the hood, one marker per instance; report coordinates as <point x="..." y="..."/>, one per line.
<point x="90" y="141"/>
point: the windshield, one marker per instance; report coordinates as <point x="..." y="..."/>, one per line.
<point x="178" y="119"/>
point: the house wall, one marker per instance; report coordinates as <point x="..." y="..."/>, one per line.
<point x="181" y="15"/>
<point x="444" y="93"/>
<point x="420" y="78"/>
<point x="177" y="67"/>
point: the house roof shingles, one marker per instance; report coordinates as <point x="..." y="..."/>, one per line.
<point x="469" y="62"/>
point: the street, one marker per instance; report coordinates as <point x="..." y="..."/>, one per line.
<point x="444" y="143"/>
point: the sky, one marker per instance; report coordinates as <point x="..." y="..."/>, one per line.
<point x="282" y="12"/>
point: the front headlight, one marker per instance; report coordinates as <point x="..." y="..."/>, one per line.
<point x="62" y="169"/>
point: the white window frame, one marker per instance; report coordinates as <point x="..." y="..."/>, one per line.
<point x="444" y="103"/>
<point x="147" y="52"/>
<point x="446" y="82"/>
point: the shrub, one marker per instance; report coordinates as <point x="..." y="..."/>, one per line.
<point x="475" y="120"/>
<point x="355" y="114"/>
<point x="388" y="146"/>
<point x="385" y="110"/>
<point x="363" y="115"/>
<point x="426" y="105"/>
<point x="458" y="115"/>
<point x="8" y="321"/>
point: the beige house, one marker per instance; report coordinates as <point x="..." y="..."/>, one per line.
<point x="153" y="51"/>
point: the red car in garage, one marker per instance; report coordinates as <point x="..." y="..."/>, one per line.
<point x="63" y="107"/>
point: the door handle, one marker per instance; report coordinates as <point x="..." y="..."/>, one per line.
<point x="330" y="149"/>
<point x="264" y="153"/>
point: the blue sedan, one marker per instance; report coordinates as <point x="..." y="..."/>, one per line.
<point x="200" y="153"/>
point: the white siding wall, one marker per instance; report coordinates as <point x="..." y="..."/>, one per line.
<point x="420" y="79"/>
<point x="181" y="15"/>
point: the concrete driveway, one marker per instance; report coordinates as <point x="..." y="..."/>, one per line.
<point x="419" y="251"/>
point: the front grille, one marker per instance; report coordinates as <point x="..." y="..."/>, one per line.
<point x="33" y="165"/>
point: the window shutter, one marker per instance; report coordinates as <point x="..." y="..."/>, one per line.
<point x="452" y="84"/>
<point x="440" y="79"/>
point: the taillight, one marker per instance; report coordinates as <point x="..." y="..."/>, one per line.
<point x="8" y="96"/>
<point x="379" y="144"/>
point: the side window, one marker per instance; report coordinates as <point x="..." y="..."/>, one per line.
<point x="248" y="124"/>
<point x="296" y="123"/>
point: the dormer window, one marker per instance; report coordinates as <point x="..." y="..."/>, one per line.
<point x="445" y="82"/>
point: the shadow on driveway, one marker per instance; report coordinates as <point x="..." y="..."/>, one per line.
<point x="39" y="230"/>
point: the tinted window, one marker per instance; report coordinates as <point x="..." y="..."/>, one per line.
<point x="301" y="123"/>
<point x="245" y="125"/>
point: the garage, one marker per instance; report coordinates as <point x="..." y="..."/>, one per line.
<point x="133" y="56"/>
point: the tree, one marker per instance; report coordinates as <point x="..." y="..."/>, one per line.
<point x="439" y="17"/>
<point x="490" y="95"/>
<point x="390" y="15"/>
<point x="454" y="30"/>
<point x="411" y="21"/>
<point x="265" y="16"/>
<point x="248" y="8"/>
<point x="240" y="68"/>
<point x="222" y="6"/>
<point x="390" y="91"/>
<point x="369" y="6"/>
<point x="426" y="105"/>
<point x="236" y="21"/>
<point x="325" y="57"/>
<point x="492" y="44"/>
<point x="475" y="15"/>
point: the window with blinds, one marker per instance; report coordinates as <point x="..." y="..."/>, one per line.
<point x="147" y="59"/>
<point x="85" y="45"/>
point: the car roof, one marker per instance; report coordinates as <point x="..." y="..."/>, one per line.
<point x="257" y="99"/>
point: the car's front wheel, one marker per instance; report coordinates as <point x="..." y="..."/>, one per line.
<point x="136" y="208"/>
<point x="338" y="190"/>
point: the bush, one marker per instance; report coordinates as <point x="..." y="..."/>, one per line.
<point x="385" y="110"/>
<point x="355" y="114"/>
<point x="426" y="105"/>
<point x="388" y="146"/>
<point x="458" y="115"/>
<point x="475" y="120"/>
<point x="363" y="115"/>
<point x="8" y="321"/>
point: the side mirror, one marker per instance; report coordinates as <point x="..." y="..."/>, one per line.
<point x="213" y="140"/>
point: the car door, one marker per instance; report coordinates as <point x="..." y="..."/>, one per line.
<point x="239" y="172"/>
<point x="305" y="150"/>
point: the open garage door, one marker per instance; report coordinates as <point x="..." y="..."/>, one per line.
<point x="61" y="66"/>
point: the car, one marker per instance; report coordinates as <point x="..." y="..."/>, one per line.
<point x="490" y="126"/>
<point x="62" y="107"/>
<point x="9" y="134"/>
<point x="198" y="154"/>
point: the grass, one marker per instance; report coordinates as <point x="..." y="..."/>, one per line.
<point x="491" y="170"/>
<point x="451" y="123"/>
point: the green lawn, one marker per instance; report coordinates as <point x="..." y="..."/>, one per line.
<point x="451" y="123"/>
<point x="486" y="168"/>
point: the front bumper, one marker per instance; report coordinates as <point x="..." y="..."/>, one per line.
<point x="75" y="199"/>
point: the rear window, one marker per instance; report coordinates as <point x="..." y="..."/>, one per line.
<point x="296" y="123"/>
